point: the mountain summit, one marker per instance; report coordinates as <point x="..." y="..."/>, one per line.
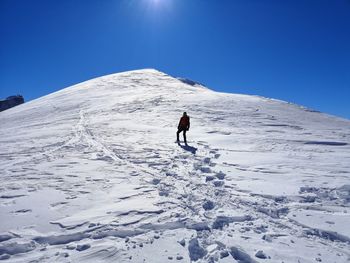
<point x="92" y="173"/>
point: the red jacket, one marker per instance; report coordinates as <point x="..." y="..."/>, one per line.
<point x="184" y="123"/>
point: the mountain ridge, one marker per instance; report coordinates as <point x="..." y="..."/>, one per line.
<point x="183" y="80"/>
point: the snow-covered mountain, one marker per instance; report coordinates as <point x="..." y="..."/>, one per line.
<point x="92" y="173"/>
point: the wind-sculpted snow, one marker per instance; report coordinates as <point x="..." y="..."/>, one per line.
<point x="92" y="173"/>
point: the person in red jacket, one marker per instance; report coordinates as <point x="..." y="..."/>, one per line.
<point x="184" y="126"/>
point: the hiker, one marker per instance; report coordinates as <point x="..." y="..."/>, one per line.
<point x="184" y="125"/>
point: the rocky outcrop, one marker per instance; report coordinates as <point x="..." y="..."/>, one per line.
<point x="10" y="102"/>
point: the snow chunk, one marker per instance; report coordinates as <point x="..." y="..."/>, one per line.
<point x="274" y="213"/>
<point x="201" y="226"/>
<point x="241" y="256"/>
<point x="16" y="248"/>
<point x="222" y="221"/>
<point x="83" y="247"/>
<point x="62" y="239"/>
<point x="182" y="242"/>
<point x="329" y="235"/>
<point x="195" y="250"/>
<point x="260" y="254"/>
<point x="117" y="233"/>
<point x="208" y="205"/>
<point x="209" y="178"/>
<point x="220" y="175"/>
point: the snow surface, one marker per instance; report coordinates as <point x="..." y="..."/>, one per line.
<point x="92" y="173"/>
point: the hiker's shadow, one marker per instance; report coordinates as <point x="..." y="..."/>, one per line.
<point x="189" y="148"/>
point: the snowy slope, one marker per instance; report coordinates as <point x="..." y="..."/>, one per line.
<point x="91" y="173"/>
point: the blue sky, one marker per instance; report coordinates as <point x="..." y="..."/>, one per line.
<point x="297" y="50"/>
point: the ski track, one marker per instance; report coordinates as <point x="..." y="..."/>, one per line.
<point x="194" y="203"/>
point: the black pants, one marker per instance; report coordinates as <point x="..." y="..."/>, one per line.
<point x="184" y="132"/>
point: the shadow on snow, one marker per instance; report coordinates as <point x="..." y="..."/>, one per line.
<point x="188" y="148"/>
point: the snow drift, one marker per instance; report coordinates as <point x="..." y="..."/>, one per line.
<point x="91" y="173"/>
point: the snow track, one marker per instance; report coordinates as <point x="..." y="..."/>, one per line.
<point x="84" y="137"/>
<point x="97" y="177"/>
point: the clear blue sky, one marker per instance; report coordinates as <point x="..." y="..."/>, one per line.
<point x="295" y="50"/>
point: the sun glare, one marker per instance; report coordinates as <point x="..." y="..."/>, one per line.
<point x="156" y="2"/>
<point x="155" y="8"/>
<point x="156" y="5"/>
